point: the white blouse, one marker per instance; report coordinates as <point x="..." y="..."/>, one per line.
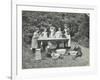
<point x="58" y="34"/>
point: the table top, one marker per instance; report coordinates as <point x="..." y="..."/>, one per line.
<point x="46" y="39"/>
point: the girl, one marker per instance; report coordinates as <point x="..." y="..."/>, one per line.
<point x="34" y="43"/>
<point x="44" y="33"/>
<point x="44" y="36"/>
<point x="51" y="44"/>
<point x="52" y="32"/>
<point x="67" y="35"/>
<point x="58" y="33"/>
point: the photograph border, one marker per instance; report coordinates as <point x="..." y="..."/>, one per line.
<point x="17" y="32"/>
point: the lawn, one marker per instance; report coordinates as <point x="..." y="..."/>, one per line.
<point x="28" y="59"/>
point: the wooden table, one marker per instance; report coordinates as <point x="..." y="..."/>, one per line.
<point x="52" y="39"/>
<point x="57" y="40"/>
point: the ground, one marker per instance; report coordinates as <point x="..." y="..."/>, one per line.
<point x="28" y="61"/>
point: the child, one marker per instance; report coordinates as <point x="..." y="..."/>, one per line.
<point x="67" y="35"/>
<point x="44" y="33"/>
<point x="76" y="51"/>
<point x="58" y="33"/>
<point x="52" y="32"/>
<point x="34" y="43"/>
<point x="44" y="36"/>
<point x="51" y="44"/>
<point x="79" y="51"/>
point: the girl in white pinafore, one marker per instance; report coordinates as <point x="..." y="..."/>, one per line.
<point x="34" y="44"/>
<point x="67" y="35"/>
<point x="52" y="32"/>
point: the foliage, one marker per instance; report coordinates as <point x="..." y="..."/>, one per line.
<point x="78" y="24"/>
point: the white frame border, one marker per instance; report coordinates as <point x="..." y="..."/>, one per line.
<point x="84" y="70"/>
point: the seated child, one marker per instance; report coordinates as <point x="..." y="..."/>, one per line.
<point x="51" y="44"/>
<point x="44" y="33"/>
<point x="79" y="51"/>
<point x="76" y="52"/>
<point x="52" y="32"/>
<point x="58" y="33"/>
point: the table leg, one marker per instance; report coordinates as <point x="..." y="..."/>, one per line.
<point x="58" y="44"/>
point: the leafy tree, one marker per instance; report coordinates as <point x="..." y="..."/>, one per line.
<point x="78" y="23"/>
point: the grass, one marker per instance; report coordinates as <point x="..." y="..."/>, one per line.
<point x="29" y="62"/>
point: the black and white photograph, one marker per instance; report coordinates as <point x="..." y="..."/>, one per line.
<point x="50" y="40"/>
<point x="55" y="39"/>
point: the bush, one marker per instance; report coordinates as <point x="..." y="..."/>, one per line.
<point x="78" y="24"/>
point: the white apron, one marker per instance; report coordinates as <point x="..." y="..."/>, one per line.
<point x="34" y="43"/>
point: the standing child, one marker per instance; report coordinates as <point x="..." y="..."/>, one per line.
<point x="34" y="44"/>
<point x="67" y="35"/>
